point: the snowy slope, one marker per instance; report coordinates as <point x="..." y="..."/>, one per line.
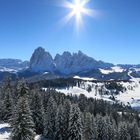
<point x="112" y="70"/>
<point x="77" y="91"/>
<point x="129" y="96"/>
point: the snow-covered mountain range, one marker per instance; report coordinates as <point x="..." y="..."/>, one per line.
<point x="67" y="65"/>
<point x="13" y="65"/>
<point x="79" y="64"/>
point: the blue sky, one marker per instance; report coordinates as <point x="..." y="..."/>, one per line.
<point x="112" y="36"/>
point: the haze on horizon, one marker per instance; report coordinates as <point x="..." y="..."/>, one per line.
<point x="112" y="35"/>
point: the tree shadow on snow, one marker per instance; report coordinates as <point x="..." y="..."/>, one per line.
<point x="4" y="129"/>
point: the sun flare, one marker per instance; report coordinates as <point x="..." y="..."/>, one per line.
<point x="78" y="9"/>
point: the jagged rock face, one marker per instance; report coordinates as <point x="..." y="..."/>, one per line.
<point x="66" y="63"/>
<point x="41" y="61"/>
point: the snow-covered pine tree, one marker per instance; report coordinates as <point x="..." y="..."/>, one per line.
<point x="60" y="123"/>
<point x="109" y="129"/>
<point x="22" y="124"/>
<point x="123" y="132"/>
<point x="7" y="102"/>
<point x="94" y="128"/>
<point x="7" y="106"/>
<point x="134" y="131"/>
<point x="75" y="124"/>
<point x="22" y="88"/>
<point x="67" y="108"/>
<point x="100" y="127"/>
<point x="90" y="130"/>
<point x="37" y="112"/>
<point x="50" y="119"/>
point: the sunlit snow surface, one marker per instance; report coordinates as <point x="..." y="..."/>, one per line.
<point x="84" y="78"/>
<point x="113" y="69"/>
<point x="129" y="97"/>
<point x="4" y="69"/>
<point x="76" y="90"/>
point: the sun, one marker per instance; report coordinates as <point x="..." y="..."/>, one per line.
<point x="77" y="10"/>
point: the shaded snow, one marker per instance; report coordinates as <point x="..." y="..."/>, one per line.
<point x="5" y="133"/>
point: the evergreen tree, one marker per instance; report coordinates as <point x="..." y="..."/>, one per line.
<point x="22" y="124"/>
<point x="60" y="124"/>
<point x="133" y="130"/>
<point x="100" y="127"/>
<point x="109" y="129"/>
<point x="7" y="106"/>
<point x="90" y="130"/>
<point x="75" y="123"/>
<point x="67" y="109"/>
<point x="37" y="112"/>
<point x="50" y="119"/>
<point x="123" y="132"/>
<point x="7" y="102"/>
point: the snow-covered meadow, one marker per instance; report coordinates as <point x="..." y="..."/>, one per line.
<point x="131" y="96"/>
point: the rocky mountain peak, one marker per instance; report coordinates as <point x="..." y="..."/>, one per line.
<point x="41" y="61"/>
<point x="66" y="63"/>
